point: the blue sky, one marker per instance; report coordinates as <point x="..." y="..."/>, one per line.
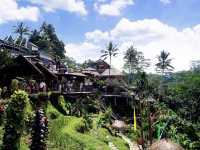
<point x="86" y="26"/>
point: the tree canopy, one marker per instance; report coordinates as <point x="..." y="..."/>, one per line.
<point x="164" y="63"/>
<point x="135" y="61"/>
<point x="47" y="40"/>
<point x="21" y="29"/>
<point x="109" y="52"/>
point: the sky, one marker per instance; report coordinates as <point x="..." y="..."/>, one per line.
<point x="86" y="26"/>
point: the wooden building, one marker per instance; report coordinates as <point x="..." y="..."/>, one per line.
<point x="26" y="69"/>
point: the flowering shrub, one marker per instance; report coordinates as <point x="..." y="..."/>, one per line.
<point x="14" y="120"/>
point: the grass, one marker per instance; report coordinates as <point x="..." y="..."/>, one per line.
<point x="102" y="133"/>
<point x="66" y="133"/>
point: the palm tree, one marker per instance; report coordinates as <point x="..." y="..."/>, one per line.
<point x="135" y="61"/>
<point x="21" y="29"/>
<point x="110" y="51"/>
<point x="164" y="63"/>
<point x="142" y="88"/>
<point x="163" y="66"/>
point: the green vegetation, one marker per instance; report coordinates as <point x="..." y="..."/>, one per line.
<point x="5" y="59"/>
<point x="85" y="123"/>
<point x="15" y="120"/>
<point x="164" y="63"/>
<point x="47" y="40"/>
<point x="68" y="133"/>
<point x="109" y="52"/>
<point x="179" y="130"/>
<point x="134" y="62"/>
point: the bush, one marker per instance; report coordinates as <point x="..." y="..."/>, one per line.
<point x="58" y="102"/>
<point x="52" y="113"/>
<point x="14" y="85"/>
<point x="176" y="128"/>
<point x="15" y="120"/>
<point x="61" y="102"/>
<point x="87" y="121"/>
<point x="104" y="118"/>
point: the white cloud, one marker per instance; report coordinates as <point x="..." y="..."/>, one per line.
<point x="114" y="8"/>
<point x="10" y="11"/>
<point x="149" y="36"/>
<point x="97" y="36"/>
<point x="82" y="51"/>
<point x="73" y="6"/>
<point x="165" y="1"/>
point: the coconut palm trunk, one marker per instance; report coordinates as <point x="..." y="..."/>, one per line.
<point x="110" y="66"/>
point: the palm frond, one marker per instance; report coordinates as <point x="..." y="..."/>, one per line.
<point x="104" y="55"/>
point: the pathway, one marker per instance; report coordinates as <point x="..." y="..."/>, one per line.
<point x="132" y="146"/>
<point x="111" y="145"/>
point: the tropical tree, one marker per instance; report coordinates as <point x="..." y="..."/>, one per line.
<point x="163" y="66"/>
<point x="110" y="51"/>
<point x="142" y="94"/>
<point x="21" y="29"/>
<point x="195" y="66"/>
<point x="135" y="61"/>
<point x="47" y="40"/>
<point x="88" y="63"/>
<point x="69" y="62"/>
<point x="5" y="58"/>
<point x="164" y="63"/>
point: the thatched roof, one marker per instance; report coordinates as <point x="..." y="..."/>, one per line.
<point x="165" y="144"/>
<point x="93" y="73"/>
<point x="78" y="74"/>
<point x="113" y="72"/>
<point x="90" y="69"/>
